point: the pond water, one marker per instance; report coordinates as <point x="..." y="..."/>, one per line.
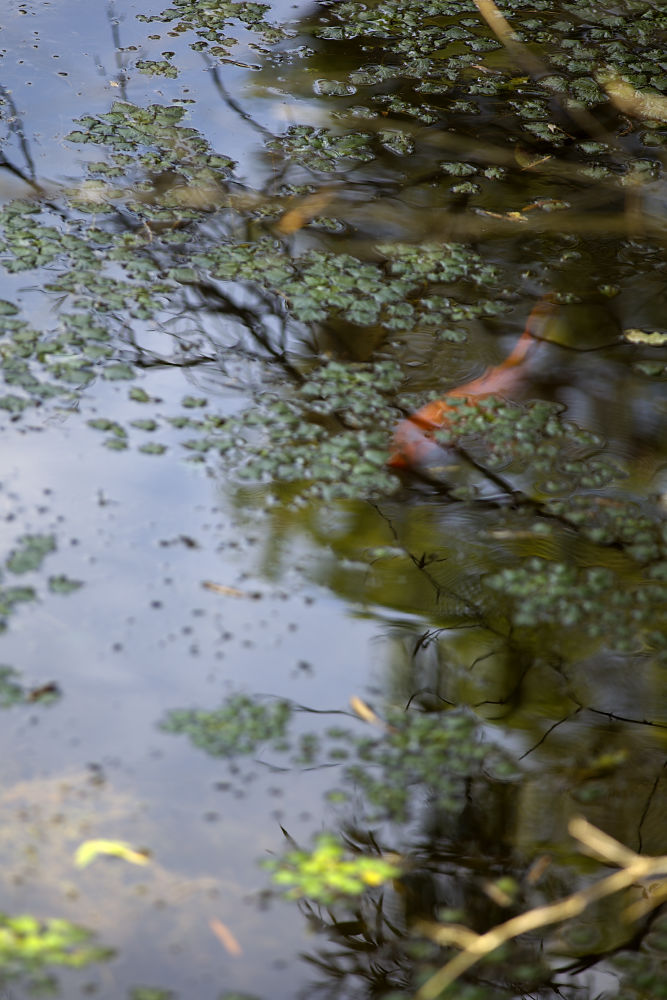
<point x="240" y="244"/>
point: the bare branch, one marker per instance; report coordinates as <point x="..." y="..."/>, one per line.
<point x="634" y="868"/>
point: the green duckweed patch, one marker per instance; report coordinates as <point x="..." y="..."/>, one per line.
<point x="31" y="552"/>
<point x="564" y="597"/>
<point x="558" y="456"/>
<point x="326" y="873"/>
<point x="29" y="947"/>
<point x="416" y="754"/>
<point x="12" y="691"/>
<point x="240" y="727"/>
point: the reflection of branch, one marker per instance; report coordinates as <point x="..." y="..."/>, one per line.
<point x="501" y="29"/>
<point x="533" y="65"/>
<point x="234" y="105"/>
<point x="419" y="562"/>
<point x="634" y="102"/>
<point x="647" y="805"/>
<point x="215" y="300"/>
<point x="15" y="126"/>
<point x="511" y="694"/>
<point x="634" y="868"/>
<point x="155" y="361"/>
<point x="545" y="735"/>
<point x="612" y="716"/>
<point x="5" y="164"/>
<point x="114" y="21"/>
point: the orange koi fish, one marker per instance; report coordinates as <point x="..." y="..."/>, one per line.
<point x="414" y="443"/>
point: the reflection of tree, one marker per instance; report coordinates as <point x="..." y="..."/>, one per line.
<point x="469" y="878"/>
<point x="471" y="844"/>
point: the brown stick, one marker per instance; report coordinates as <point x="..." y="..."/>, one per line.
<point x="635" y="867"/>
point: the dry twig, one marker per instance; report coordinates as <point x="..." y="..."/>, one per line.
<point x="634" y="868"/>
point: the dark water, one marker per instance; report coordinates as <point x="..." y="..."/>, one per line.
<point x="203" y="364"/>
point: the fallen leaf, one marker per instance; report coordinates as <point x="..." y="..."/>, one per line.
<point x="225" y="936"/>
<point x="222" y="588"/>
<point x="654" y="339"/>
<point x="365" y="712"/>
<point x="91" y="849"/>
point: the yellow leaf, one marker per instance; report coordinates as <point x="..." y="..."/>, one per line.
<point x="91" y="849"/>
<point x="655" y="339"/>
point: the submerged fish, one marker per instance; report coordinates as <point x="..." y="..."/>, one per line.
<point x="414" y="445"/>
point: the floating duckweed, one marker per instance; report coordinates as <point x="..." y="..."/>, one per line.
<point x="531" y="440"/>
<point x="11" y="596"/>
<point x="465" y="188"/>
<point x="456" y="169"/>
<point x="238" y="728"/>
<point x="309" y="445"/>
<point x="322" y="150"/>
<point x="138" y="395"/>
<point x="152" y="448"/>
<point x="62" y="584"/>
<point x="157" y="67"/>
<point x="31" y="947"/>
<point x="116" y="372"/>
<point x="210" y="22"/>
<point x="329" y="872"/>
<point x="11" y="692"/>
<point x="108" y="426"/>
<point x="565" y="596"/>
<point x="14" y="404"/>
<point x="396" y="141"/>
<point x="31" y="552"/>
<point x="432" y="752"/>
<point x="145" y="425"/>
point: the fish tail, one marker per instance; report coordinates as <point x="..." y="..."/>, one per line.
<point x="533" y="330"/>
<point x="413" y="441"/>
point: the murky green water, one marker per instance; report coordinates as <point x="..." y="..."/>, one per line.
<point x="239" y="246"/>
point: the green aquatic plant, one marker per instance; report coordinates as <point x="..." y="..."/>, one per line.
<point x="11" y="692"/>
<point x="400" y="293"/>
<point x="322" y="150"/>
<point x="29" y="947"/>
<point x="551" y="454"/>
<point x="566" y="597"/>
<point x="158" y="67"/>
<point x="210" y="23"/>
<point x="615" y="521"/>
<point x="150" y="993"/>
<point x="238" y="728"/>
<point x="328" y="439"/>
<point x="30" y="553"/>
<point x="62" y="584"/>
<point x="429" y="755"/>
<point x="319" y="286"/>
<point x="423" y="179"/>
<point x="433" y="49"/>
<point x="328" y="872"/>
<point x="142" y="140"/>
<point x="27" y="556"/>
<point x="415" y="756"/>
<point x="10" y="597"/>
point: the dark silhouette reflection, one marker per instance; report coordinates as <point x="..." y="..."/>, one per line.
<point x="466" y="869"/>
